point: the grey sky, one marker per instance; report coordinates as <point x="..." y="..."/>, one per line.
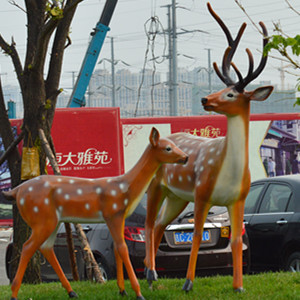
<point x="127" y="28"/>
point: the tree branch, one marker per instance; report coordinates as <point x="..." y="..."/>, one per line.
<point x="11" y="147"/>
<point x="49" y="152"/>
<point x="17" y="5"/>
<point x="292" y="8"/>
<point x="12" y="52"/>
<point x="245" y="12"/>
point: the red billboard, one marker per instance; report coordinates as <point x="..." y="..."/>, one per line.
<point x="88" y="142"/>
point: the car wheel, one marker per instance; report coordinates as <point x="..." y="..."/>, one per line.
<point x="104" y="269"/>
<point x="293" y="262"/>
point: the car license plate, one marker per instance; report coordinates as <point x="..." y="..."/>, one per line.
<point x="182" y="238"/>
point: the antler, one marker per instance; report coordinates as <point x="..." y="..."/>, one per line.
<point x="229" y="52"/>
<point x="252" y="75"/>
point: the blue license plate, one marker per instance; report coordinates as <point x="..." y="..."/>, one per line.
<point x="182" y="238"/>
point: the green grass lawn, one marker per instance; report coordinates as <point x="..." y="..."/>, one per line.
<point x="262" y="286"/>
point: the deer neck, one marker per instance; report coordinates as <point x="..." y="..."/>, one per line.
<point x="234" y="169"/>
<point x="237" y="138"/>
<point x="140" y="176"/>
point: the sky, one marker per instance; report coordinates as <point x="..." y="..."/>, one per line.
<point x="132" y="17"/>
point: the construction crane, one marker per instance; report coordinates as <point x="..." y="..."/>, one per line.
<point x="98" y="36"/>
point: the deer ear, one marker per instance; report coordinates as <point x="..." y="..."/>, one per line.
<point x="261" y="93"/>
<point x="154" y="137"/>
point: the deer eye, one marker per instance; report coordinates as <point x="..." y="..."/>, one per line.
<point x="168" y="149"/>
<point x="230" y="95"/>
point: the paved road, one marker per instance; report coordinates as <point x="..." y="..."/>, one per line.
<point x="4" y="237"/>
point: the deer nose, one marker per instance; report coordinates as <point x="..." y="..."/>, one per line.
<point x="186" y="160"/>
<point x="204" y="101"/>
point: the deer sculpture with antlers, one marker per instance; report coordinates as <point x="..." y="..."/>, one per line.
<point x="217" y="172"/>
<point x="47" y="200"/>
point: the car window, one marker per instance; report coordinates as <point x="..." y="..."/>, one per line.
<point x="252" y="198"/>
<point x="275" y="199"/>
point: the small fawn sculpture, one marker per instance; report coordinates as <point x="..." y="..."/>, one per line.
<point x="217" y="172"/>
<point x="46" y="201"/>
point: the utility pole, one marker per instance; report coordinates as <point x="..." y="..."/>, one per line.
<point x="174" y="56"/>
<point x="170" y="57"/>
<point x="113" y="72"/>
<point x="209" y="70"/>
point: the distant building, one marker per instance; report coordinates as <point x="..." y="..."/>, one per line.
<point x="147" y="93"/>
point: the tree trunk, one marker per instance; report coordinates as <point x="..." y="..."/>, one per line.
<point x="32" y="273"/>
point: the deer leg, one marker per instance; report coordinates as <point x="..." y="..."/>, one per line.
<point x="171" y="209"/>
<point x="52" y="259"/>
<point x="155" y="198"/>
<point x="201" y="210"/>
<point x="116" y="227"/>
<point x="36" y="239"/>
<point x="236" y="212"/>
<point x="120" y="274"/>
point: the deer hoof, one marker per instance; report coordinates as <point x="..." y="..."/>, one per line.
<point x="188" y="285"/>
<point x="72" y="294"/>
<point x="151" y="275"/>
<point x="239" y="290"/>
<point x="140" y="298"/>
<point x="123" y="293"/>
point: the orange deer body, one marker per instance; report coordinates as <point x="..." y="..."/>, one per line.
<point x="217" y="172"/>
<point x="46" y="201"/>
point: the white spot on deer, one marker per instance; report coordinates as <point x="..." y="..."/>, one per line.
<point x="123" y="187"/>
<point x="109" y="180"/>
<point x="98" y="190"/>
<point x="30" y="189"/>
<point x="67" y="197"/>
<point x="180" y="178"/>
<point x="189" y="178"/>
<point x="210" y="161"/>
<point x="172" y="175"/>
<point x="115" y="206"/>
<point x="46" y="201"/>
<point x="79" y="191"/>
<point x="22" y="201"/>
<point x="198" y="183"/>
<point x="71" y="181"/>
<point x="35" y="209"/>
<point x="190" y="152"/>
<point x="46" y="184"/>
<point x="87" y="206"/>
<point x="113" y="192"/>
<point x="218" y="152"/>
<point x="59" y="179"/>
<point x="212" y="149"/>
<point x="201" y="168"/>
<point x="126" y="202"/>
<point x="59" y="190"/>
<point x="60" y="208"/>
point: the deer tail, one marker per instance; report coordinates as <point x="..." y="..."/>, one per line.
<point x="10" y="195"/>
